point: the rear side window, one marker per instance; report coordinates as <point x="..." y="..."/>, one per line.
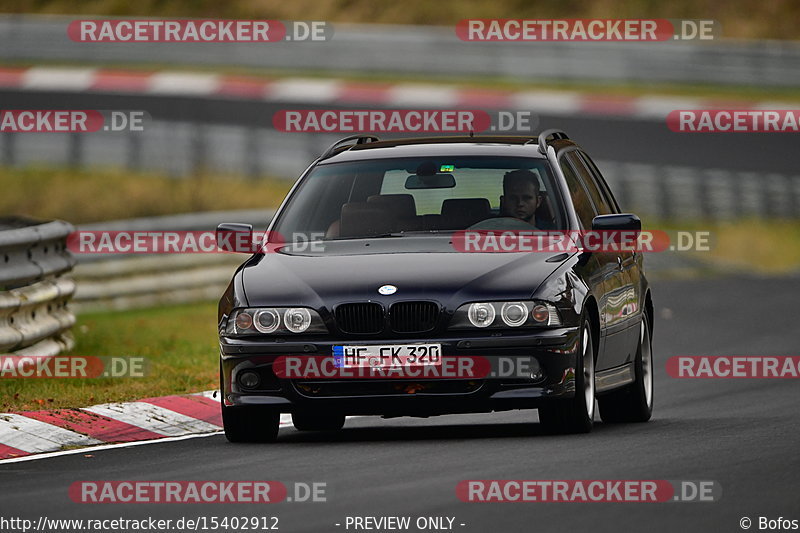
<point x="580" y="198"/>
<point x="601" y="182"/>
<point x="601" y="203"/>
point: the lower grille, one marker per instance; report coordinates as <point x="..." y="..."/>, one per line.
<point x="360" y="318"/>
<point x="374" y="387"/>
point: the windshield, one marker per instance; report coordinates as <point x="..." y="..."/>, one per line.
<point x="425" y="195"/>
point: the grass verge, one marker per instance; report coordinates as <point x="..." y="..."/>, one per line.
<point x="80" y="196"/>
<point x="762" y="247"/>
<point x="179" y="344"/>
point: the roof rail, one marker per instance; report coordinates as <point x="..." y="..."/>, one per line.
<point x="360" y="139"/>
<point x="555" y="133"/>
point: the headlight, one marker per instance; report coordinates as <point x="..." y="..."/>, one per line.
<point x="274" y="321"/>
<point x="514" y="314"/>
<point x="297" y="320"/>
<point x="267" y="320"/>
<point x="504" y="315"/>
<point x="481" y="315"/>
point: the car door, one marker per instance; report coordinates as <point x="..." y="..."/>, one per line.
<point x="614" y="283"/>
<point x="630" y="262"/>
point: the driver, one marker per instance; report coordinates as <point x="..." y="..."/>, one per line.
<point x="520" y="197"/>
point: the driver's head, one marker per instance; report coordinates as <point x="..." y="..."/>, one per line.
<point x="520" y="195"/>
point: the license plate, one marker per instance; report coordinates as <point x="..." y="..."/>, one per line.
<point x="388" y="356"/>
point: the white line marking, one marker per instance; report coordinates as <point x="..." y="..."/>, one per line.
<point x="304" y="90"/>
<point x="34" y="436"/>
<point x="183" y="83"/>
<point x="122" y="412"/>
<point x="67" y="79"/>
<point x="105" y="447"/>
<point x="659" y="107"/>
<point x="424" y="96"/>
<point x="547" y="102"/>
<point x="153" y="418"/>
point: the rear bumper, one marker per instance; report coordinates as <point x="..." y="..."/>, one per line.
<point x="526" y="371"/>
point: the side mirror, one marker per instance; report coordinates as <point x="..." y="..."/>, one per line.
<point x="614" y="233"/>
<point x="233" y="237"/>
<point x="621" y="222"/>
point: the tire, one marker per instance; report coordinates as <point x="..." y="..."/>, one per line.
<point x="634" y="402"/>
<point x="308" y="421"/>
<point x="248" y="423"/>
<point x="575" y="415"/>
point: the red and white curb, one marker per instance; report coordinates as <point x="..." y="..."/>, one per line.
<point x="341" y="92"/>
<point x="36" y="432"/>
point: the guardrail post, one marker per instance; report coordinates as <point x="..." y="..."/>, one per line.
<point x="198" y="149"/>
<point x="767" y="209"/>
<point x="251" y="152"/>
<point x="75" y="150"/>
<point x="667" y="211"/>
<point x="9" y="145"/>
<point x="134" y="151"/>
<point x="791" y="196"/>
<point x="704" y="195"/>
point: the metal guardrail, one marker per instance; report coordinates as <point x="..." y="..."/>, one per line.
<point x="128" y="281"/>
<point x="34" y="316"/>
<point x="431" y="51"/>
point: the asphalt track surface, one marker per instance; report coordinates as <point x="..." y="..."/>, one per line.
<point x="741" y="433"/>
<point x="605" y="138"/>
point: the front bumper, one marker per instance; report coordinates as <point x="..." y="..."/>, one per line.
<point x="551" y="353"/>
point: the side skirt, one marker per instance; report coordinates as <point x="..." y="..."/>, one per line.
<point x="613" y="378"/>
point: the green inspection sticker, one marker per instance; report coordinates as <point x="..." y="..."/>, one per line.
<point x="447" y="168"/>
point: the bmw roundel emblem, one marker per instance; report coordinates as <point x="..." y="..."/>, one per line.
<point x="387" y="289"/>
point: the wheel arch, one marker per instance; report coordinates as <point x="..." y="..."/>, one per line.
<point x="648" y="311"/>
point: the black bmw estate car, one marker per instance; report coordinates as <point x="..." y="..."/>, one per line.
<point x="387" y="286"/>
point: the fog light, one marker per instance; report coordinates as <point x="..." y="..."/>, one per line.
<point x="249" y="379"/>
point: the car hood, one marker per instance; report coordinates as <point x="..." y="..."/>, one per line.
<point x="428" y="269"/>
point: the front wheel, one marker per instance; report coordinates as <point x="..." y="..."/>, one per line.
<point x="575" y="415"/>
<point x="634" y="402"/>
